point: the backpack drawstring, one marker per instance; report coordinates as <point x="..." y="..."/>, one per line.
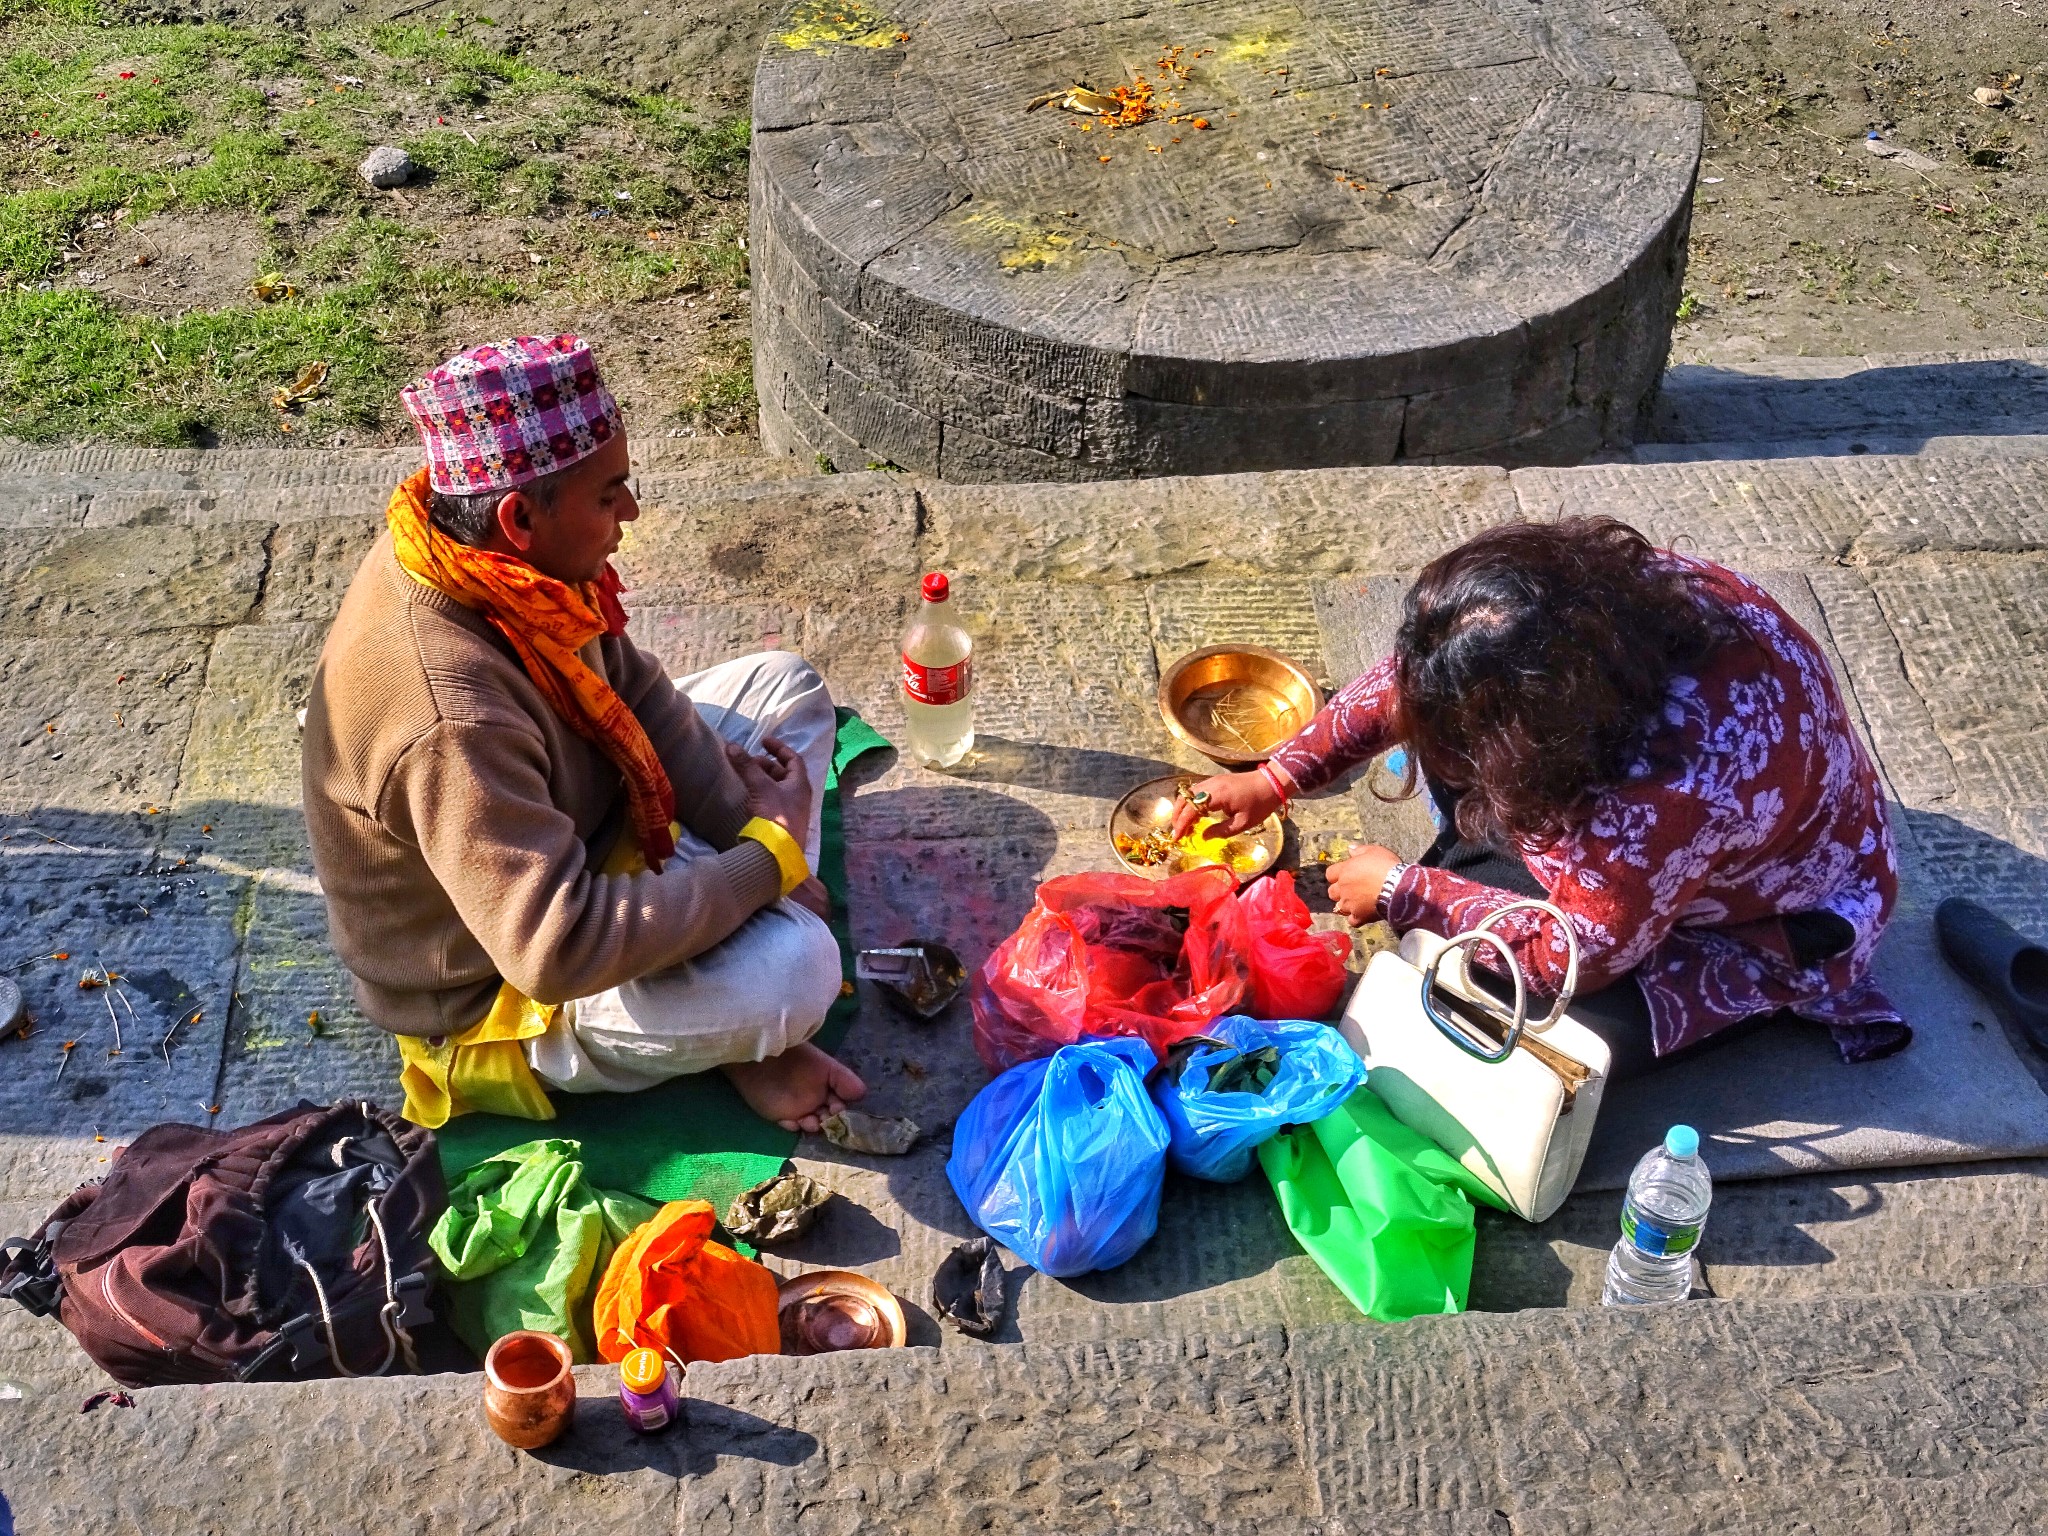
<point x="396" y="1338"/>
<point x="389" y="1316"/>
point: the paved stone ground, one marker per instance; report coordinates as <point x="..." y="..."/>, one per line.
<point x="161" y="611"/>
<point x="1347" y="234"/>
<point x="1865" y="1415"/>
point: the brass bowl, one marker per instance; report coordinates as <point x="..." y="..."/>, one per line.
<point x="1236" y="704"/>
<point x="826" y="1310"/>
<point x="1149" y="808"/>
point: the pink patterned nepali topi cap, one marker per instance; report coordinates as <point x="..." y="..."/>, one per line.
<point x="507" y="412"/>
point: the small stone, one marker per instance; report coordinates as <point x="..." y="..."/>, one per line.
<point x="386" y="166"/>
<point x="1991" y="96"/>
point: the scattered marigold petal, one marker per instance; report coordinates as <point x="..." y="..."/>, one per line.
<point x="1201" y="122"/>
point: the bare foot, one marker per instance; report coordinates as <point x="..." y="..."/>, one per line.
<point x="798" y="1089"/>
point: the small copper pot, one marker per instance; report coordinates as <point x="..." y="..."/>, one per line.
<point x="529" y="1390"/>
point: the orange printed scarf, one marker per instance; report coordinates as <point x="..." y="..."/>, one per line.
<point x="547" y="621"/>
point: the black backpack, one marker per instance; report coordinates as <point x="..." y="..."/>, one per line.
<point x="294" y="1247"/>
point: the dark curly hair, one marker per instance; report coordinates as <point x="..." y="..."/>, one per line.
<point x="1531" y="665"/>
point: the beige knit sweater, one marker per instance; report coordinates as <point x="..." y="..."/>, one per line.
<point x="458" y="822"/>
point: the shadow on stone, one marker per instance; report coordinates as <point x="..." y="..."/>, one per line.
<point x="1209" y="1235"/>
<point x="712" y="1430"/>
<point x="1878" y="410"/>
<point x="1067" y="770"/>
<point x="602" y="1442"/>
<point x="846" y="1236"/>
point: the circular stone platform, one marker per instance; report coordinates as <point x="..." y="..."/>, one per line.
<point x="1344" y="232"/>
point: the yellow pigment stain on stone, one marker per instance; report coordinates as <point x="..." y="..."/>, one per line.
<point x="819" y="27"/>
<point x="1251" y="49"/>
<point x="1031" y="249"/>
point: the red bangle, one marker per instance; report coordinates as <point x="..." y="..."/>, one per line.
<point x="1273" y="778"/>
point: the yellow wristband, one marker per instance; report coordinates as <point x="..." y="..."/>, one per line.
<point x="789" y="854"/>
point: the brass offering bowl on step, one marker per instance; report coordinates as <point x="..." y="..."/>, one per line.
<point x="1235" y="704"/>
<point x="1145" y="817"/>
<point x="827" y="1310"/>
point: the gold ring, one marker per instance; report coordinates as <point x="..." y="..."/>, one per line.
<point x="1198" y="797"/>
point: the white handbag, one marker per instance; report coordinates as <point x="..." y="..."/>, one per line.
<point x="1513" y="1099"/>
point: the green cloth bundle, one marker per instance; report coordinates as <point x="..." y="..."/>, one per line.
<point x="524" y="1243"/>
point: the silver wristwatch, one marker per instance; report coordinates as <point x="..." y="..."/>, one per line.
<point x="1387" y="887"/>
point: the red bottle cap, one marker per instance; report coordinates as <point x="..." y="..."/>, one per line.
<point x="936" y="588"/>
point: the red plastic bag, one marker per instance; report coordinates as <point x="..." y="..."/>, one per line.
<point x="1103" y="954"/>
<point x="1296" y="973"/>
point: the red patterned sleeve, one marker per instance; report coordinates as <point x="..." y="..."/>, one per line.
<point x="1354" y="727"/>
<point x="1622" y="882"/>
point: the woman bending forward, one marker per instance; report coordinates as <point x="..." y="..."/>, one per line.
<point x="1652" y="744"/>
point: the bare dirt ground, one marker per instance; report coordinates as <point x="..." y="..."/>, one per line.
<point x="1805" y="242"/>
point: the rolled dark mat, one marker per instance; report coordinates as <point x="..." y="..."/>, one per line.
<point x="2000" y="961"/>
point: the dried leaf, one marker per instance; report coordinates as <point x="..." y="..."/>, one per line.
<point x="777" y="1210"/>
<point x="968" y="1291"/>
<point x="304" y="387"/>
<point x="271" y="287"/>
<point x="881" y="1135"/>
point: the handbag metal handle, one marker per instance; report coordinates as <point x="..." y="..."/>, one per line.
<point x="1571" y="966"/>
<point x="1455" y="1033"/>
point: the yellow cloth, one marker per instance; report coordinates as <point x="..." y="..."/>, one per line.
<point x="483" y="1068"/>
<point x="789" y="853"/>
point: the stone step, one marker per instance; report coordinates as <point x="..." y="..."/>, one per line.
<point x="1856" y="1414"/>
<point x="1893" y="403"/>
<point x="106" y="486"/>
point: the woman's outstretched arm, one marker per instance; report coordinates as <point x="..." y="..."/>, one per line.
<point x="1355" y="727"/>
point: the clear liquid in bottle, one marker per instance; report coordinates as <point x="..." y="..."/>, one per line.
<point x="938" y="680"/>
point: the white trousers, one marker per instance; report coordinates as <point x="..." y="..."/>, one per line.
<point x="768" y="985"/>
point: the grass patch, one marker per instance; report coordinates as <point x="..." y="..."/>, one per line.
<point x="262" y="129"/>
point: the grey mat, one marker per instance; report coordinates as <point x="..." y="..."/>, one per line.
<point x="1783" y="1102"/>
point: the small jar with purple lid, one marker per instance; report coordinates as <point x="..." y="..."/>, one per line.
<point x="646" y="1391"/>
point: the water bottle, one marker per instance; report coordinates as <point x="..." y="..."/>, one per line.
<point x="938" y="680"/>
<point x="1661" y="1222"/>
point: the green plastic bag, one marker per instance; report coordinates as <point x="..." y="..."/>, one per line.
<point x="1381" y="1209"/>
<point x="524" y="1242"/>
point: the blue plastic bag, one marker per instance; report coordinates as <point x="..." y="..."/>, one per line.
<point x="1061" y="1160"/>
<point x="1215" y="1135"/>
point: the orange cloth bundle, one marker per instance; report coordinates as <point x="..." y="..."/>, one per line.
<point x="669" y="1287"/>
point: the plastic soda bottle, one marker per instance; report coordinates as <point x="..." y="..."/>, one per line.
<point x="938" y="680"/>
<point x="1661" y="1222"/>
<point x="645" y="1391"/>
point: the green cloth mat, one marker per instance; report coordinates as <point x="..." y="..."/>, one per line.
<point x="692" y="1138"/>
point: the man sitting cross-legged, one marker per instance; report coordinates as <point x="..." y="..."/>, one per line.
<point x="543" y="861"/>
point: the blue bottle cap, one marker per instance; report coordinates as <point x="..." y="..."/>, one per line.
<point x="1682" y="1141"/>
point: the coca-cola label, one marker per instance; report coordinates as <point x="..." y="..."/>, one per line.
<point x="938" y="685"/>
